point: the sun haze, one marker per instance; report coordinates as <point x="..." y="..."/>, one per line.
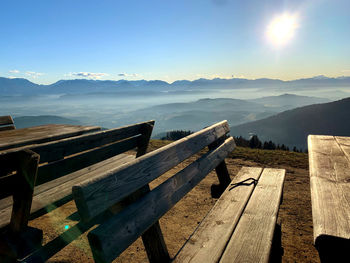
<point x="282" y="29"/>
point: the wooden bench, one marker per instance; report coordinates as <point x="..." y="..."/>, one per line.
<point x="6" y="123"/>
<point x="239" y="228"/>
<point x="329" y="162"/>
<point x="63" y="163"/>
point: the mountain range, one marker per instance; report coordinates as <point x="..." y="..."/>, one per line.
<point x="20" y="86"/>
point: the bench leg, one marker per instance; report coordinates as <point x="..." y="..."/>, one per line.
<point x="154" y="244"/>
<point x="19" y="239"/>
<point x="221" y="172"/>
<point x="153" y="240"/>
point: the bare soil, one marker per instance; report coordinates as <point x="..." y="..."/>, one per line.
<point x="180" y="222"/>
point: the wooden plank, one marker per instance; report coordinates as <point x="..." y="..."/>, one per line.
<point x="114" y="235"/>
<point x="53" y="191"/>
<point x="71" y="164"/>
<point x="6" y="120"/>
<point x="330" y="188"/>
<point x="344" y="143"/>
<point x="85" y="142"/>
<point x="207" y="244"/>
<point x="252" y="239"/>
<point x="7" y="128"/>
<point x="93" y="197"/>
<point x="146" y="131"/>
<point x="41" y="134"/>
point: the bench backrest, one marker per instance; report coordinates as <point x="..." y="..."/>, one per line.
<point x="65" y="156"/>
<point x="93" y="197"/>
<point x="59" y="158"/>
<point x="6" y="123"/>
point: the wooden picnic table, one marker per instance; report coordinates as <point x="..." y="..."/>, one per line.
<point x="329" y="161"/>
<point x="40" y="134"/>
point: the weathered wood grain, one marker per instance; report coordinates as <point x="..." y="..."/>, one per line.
<point x="41" y="134"/>
<point x="71" y="164"/>
<point x="6" y="123"/>
<point x="51" y="192"/>
<point x="98" y="167"/>
<point x="252" y="239"/>
<point x="60" y="148"/>
<point x="6" y="120"/>
<point x="116" y="234"/>
<point x="94" y="196"/>
<point x="207" y="244"/>
<point x="329" y="164"/>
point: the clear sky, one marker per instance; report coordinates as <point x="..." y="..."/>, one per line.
<point x="48" y="40"/>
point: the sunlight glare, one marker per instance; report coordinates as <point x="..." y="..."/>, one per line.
<point x="281" y="29"/>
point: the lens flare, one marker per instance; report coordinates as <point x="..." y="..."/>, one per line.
<point x="282" y="29"/>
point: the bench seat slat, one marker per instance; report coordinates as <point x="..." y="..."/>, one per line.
<point x="330" y="188"/>
<point x="95" y="196"/>
<point x="210" y="239"/>
<point x="252" y="239"/>
<point x="57" y="189"/>
<point x="116" y="234"/>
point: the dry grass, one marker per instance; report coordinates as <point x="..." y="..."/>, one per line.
<point x="178" y="224"/>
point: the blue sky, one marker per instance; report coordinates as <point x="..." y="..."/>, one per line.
<point x="45" y="41"/>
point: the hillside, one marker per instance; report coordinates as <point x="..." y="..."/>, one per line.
<point x="293" y="126"/>
<point x="198" y="114"/>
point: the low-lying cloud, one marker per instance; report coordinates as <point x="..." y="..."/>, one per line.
<point x="14" y="71"/>
<point x="89" y="75"/>
<point x="126" y="75"/>
<point x="34" y="74"/>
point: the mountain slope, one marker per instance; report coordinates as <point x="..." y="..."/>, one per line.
<point x="292" y="127"/>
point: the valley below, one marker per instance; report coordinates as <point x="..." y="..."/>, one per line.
<point x="271" y="109"/>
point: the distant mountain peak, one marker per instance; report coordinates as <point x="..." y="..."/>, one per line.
<point x="320" y="77"/>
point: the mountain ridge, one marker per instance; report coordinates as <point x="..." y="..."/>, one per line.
<point x="13" y="86"/>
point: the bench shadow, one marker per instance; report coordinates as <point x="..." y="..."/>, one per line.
<point x="50" y="207"/>
<point x="276" y="248"/>
<point x="332" y="249"/>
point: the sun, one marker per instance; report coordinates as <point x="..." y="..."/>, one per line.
<point x="282" y="29"/>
